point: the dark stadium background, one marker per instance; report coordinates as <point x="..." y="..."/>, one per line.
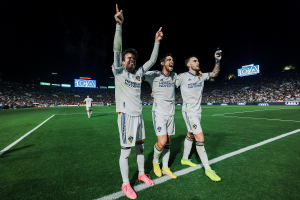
<point x="74" y="38"/>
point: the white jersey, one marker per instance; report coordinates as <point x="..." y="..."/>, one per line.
<point x="88" y="102"/>
<point x="163" y="88"/>
<point x="128" y="85"/>
<point x="191" y="87"/>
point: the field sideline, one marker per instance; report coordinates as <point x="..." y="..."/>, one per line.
<point x="66" y="155"/>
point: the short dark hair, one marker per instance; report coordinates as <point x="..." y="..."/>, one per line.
<point x="163" y="58"/>
<point x="187" y="60"/>
<point x="130" y="50"/>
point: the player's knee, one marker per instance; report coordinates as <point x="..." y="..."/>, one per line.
<point x="199" y="137"/>
<point x="125" y="152"/>
<point x="190" y="135"/>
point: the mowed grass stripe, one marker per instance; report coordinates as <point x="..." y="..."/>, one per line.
<point x="191" y="169"/>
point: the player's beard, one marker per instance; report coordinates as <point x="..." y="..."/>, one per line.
<point x="130" y="66"/>
<point x="170" y="68"/>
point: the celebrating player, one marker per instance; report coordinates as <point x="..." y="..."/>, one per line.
<point x="129" y="104"/>
<point x="163" y="110"/>
<point x="88" y="101"/>
<point x="191" y="86"/>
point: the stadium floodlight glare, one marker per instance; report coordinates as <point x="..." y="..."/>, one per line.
<point x="54" y="73"/>
<point x="44" y="83"/>
<point x="65" y="85"/>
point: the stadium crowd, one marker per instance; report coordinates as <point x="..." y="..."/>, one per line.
<point x="259" y="88"/>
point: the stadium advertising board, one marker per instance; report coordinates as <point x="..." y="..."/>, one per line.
<point x="44" y="83"/>
<point x="111" y="87"/>
<point x="58" y="85"/>
<point x="248" y="70"/>
<point x="65" y="85"/>
<point x="103" y="87"/>
<point x="85" y="83"/>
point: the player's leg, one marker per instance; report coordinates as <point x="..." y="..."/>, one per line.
<point x="125" y="152"/>
<point x="88" y="112"/>
<point x="188" y="142"/>
<point x="91" y="111"/>
<point x="139" y="147"/>
<point x="199" y="138"/>
<point x="166" y="151"/>
<point x="159" y="124"/>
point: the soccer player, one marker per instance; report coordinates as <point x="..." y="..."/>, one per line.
<point x="88" y="101"/>
<point x="129" y="105"/>
<point x="191" y="86"/>
<point x="163" y="110"/>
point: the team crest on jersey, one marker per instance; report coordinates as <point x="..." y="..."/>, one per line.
<point x="159" y="129"/>
<point x="189" y="79"/>
<point x="194" y="126"/>
<point x="199" y="78"/>
<point x="161" y="79"/>
<point x="138" y="78"/>
<point x="130" y="138"/>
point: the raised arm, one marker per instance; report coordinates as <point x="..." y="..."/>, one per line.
<point x="118" y="39"/>
<point x="216" y="70"/>
<point x="151" y="62"/>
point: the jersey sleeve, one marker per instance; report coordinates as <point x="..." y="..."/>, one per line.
<point x="117" y="65"/>
<point x="178" y="80"/>
<point x="205" y="76"/>
<point x="149" y="76"/>
<point x="142" y="70"/>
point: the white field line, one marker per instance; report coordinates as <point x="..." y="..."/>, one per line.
<point x="84" y="113"/>
<point x="223" y="115"/>
<point x="190" y="169"/>
<point x="21" y="138"/>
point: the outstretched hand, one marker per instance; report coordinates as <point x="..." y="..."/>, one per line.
<point x="159" y="35"/>
<point x="218" y="55"/>
<point x="119" y="16"/>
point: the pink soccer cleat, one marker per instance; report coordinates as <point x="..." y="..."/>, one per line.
<point x="130" y="193"/>
<point x="146" y="179"/>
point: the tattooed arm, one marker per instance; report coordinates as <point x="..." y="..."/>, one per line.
<point x="218" y="56"/>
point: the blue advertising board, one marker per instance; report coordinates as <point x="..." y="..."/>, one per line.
<point x="85" y="83"/>
<point x="251" y="70"/>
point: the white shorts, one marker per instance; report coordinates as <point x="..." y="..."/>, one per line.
<point x="131" y="129"/>
<point x="88" y="108"/>
<point x="163" y="124"/>
<point x="192" y="122"/>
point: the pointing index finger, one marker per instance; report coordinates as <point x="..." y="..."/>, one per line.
<point x="159" y="29"/>
<point x="117" y="9"/>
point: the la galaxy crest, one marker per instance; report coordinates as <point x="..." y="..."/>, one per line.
<point x="194" y="126"/>
<point x="159" y="129"/>
<point x="130" y="138"/>
<point x="138" y="78"/>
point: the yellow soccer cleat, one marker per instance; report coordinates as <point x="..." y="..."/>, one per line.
<point x="188" y="162"/>
<point x="212" y="175"/>
<point x="156" y="169"/>
<point x="168" y="172"/>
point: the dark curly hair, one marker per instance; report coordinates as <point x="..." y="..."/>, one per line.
<point x="163" y="58"/>
<point x="130" y="50"/>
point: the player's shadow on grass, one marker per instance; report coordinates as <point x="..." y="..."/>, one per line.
<point x="6" y="153"/>
<point x="176" y="145"/>
<point x="99" y="115"/>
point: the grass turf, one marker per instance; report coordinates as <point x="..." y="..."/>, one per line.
<point x="72" y="156"/>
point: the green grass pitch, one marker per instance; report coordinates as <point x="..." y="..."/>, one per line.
<point x="72" y="156"/>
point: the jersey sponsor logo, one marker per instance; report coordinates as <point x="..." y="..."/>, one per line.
<point x="159" y="129"/>
<point x="130" y="138"/>
<point x="138" y="78"/>
<point x="166" y="84"/>
<point x="194" y="85"/>
<point x="132" y="84"/>
<point x="194" y="126"/>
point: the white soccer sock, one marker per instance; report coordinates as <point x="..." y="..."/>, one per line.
<point x="157" y="152"/>
<point x="125" y="152"/>
<point x="202" y="154"/>
<point x="188" y="142"/>
<point x="139" y="149"/>
<point x="88" y="114"/>
<point x="166" y="156"/>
